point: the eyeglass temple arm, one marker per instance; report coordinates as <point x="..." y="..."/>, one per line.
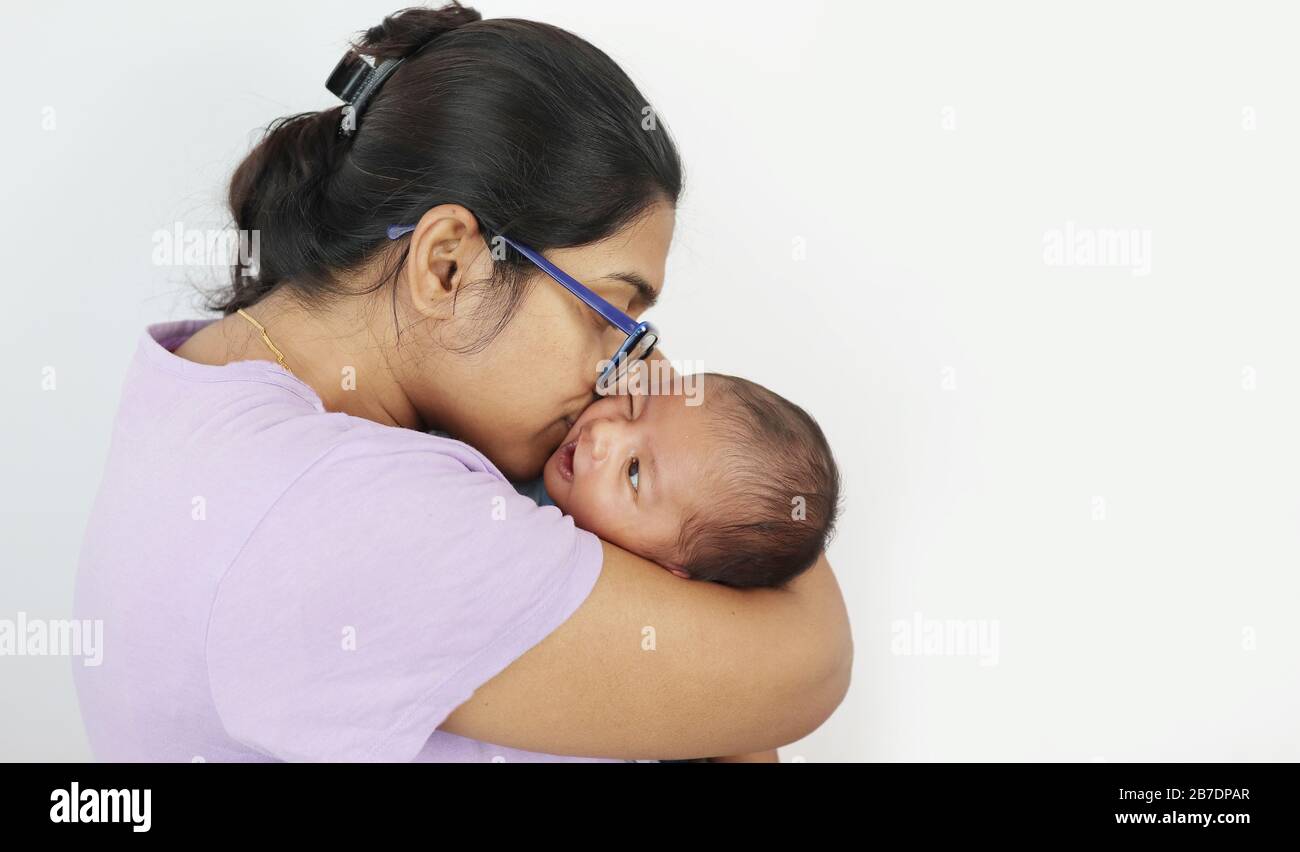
<point x="613" y="315"/>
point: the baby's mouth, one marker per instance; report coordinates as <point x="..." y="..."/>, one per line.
<point x="564" y="461"/>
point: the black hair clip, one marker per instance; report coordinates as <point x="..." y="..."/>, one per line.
<point x="354" y="80"/>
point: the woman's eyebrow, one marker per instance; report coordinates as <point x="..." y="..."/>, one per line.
<point x="643" y="289"/>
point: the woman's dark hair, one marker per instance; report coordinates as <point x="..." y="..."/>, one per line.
<point x="534" y="130"/>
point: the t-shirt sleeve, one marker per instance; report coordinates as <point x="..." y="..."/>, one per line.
<point x="379" y="591"/>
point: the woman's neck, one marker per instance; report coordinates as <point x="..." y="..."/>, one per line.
<point x="341" y="357"/>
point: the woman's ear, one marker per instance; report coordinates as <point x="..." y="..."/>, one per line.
<point x="443" y="245"/>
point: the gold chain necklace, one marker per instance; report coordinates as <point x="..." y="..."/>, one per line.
<point x="266" y="338"/>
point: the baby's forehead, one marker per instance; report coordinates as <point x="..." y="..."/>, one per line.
<point x="692" y="413"/>
<point x="697" y="433"/>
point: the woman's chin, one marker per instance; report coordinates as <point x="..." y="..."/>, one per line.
<point x="517" y="462"/>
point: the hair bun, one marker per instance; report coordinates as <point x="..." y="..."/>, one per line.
<point x="403" y="33"/>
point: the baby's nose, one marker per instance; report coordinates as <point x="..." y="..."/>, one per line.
<point x="604" y="439"/>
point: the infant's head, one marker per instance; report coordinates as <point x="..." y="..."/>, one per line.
<point x="731" y="484"/>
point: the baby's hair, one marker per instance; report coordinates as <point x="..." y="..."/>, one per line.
<point x="777" y="490"/>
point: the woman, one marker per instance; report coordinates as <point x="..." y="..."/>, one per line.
<point x="289" y="568"/>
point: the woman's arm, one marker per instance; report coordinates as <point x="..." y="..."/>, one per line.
<point x="652" y="666"/>
<point x="769" y="756"/>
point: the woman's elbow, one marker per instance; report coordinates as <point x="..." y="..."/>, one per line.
<point x="824" y="659"/>
<point x="828" y="685"/>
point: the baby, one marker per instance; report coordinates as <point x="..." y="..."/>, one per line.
<point x="733" y="484"/>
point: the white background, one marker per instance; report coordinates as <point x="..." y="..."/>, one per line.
<point x="985" y="406"/>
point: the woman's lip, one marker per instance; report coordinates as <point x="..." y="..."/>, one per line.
<point x="564" y="461"/>
<point x="569" y="421"/>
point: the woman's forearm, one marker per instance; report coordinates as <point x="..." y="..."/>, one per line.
<point x="769" y="756"/>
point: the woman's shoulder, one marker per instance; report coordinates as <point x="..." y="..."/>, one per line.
<point x="256" y="413"/>
<point x="370" y="469"/>
<point x="394" y="463"/>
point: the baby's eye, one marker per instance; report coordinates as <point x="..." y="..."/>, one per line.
<point x="634" y="472"/>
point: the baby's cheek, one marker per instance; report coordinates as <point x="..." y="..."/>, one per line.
<point x="590" y="514"/>
<point x="613" y="521"/>
<point x="638" y="533"/>
<point x="596" y="512"/>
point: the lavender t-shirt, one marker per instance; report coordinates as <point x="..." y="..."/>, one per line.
<point x="278" y="582"/>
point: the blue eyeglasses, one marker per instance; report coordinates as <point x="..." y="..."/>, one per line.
<point x="642" y="337"/>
